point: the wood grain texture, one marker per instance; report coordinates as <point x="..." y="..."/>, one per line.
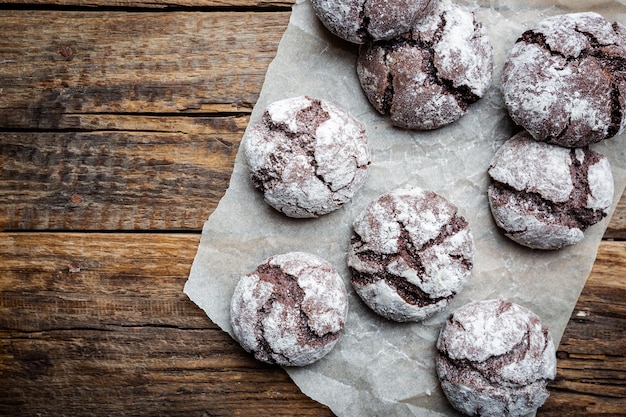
<point x="591" y="377"/>
<point x="54" y="65"/>
<point x="80" y="308"/>
<point x="92" y="139"/>
<point x="96" y="280"/>
<point x="97" y="324"/>
<point x="141" y="371"/>
<point x="157" y="4"/>
<point x="165" y="177"/>
<point x="617" y="225"/>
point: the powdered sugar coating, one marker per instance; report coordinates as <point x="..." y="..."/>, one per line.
<point x="545" y="196"/>
<point x="308" y="156"/>
<point x="519" y="161"/>
<point x="565" y="80"/>
<point x="495" y="359"/>
<point x="462" y="52"/>
<point x="290" y="310"/>
<point x="410" y="253"/>
<point x="601" y="188"/>
<point x="359" y="21"/>
<point x="428" y="77"/>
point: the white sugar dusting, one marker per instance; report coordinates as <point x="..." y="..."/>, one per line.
<point x="557" y="85"/>
<point x="528" y="165"/>
<point x="340" y="158"/>
<point x="496" y="359"/>
<point x="386" y="300"/>
<point x="293" y="181"/>
<point x="601" y="187"/>
<point x="464" y="54"/>
<point x="439" y="68"/>
<point x="422" y="215"/>
<point x="284" y="111"/>
<point x="359" y="21"/>
<point x="532" y="167"/>
<point x="325" y="306"/>
<point x="249" y="297"/>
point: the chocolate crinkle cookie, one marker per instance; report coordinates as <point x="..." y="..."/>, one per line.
<point x="565" y="80"/>
<point x="409" y="254"/>
<point x="495" y="359"/>
<point x="290" y="310"/>
<point x="429" y="76"/>
<point x="359" y="21"/>
<point x="545" y="196"/>
<point x="308" y="156"/>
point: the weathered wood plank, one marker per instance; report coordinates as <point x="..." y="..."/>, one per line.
<point x="64" y="280"/>
<point x="617" y="225"/>
<point x="118" y="180"/>
<point x="57" y="64"/>
<point x="591" y="378"/>
<point x="156" y="4"/>
<point x="97" y="324"/>
<point x="77" y="309"/>
<point x="141" y="371"/>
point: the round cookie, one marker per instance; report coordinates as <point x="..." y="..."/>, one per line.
<point x="565" y="80"/>
<point x="290" y="310"/>
<point x="358" y="21"/>
<point x="428" y="77"/>
<point x="308" y="156"/>
<point x="545" y="196"/>
<point x="495" y="359"/>
<point x="409" y="254"/>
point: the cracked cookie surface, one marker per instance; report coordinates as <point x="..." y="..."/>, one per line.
<point x="545" y="196"/>
<point x="359" y="21"/>
<point x="290" y="310"/>
<point x="495" y="359"/>
<point x="409" y="254"/>
<point x="565" y="80"/>
<point x="307" y="156"/>
<point x="429" y="76"/>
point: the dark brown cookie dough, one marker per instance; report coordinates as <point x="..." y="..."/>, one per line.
<point x="359" y="21"/>
<point x="565" y="80"/>
<point x="410" y="253"/>
<point x="428" y="77"/>
<point x="545" y="196"/>
<point x="495" y="359"/>
<point x="290" y="310"/>
<point x="308" y="156"/>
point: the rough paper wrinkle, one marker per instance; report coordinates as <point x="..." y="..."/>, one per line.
<point x="379" y="367"/>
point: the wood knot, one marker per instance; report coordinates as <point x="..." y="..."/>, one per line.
<point x="76" y="199"/>
<point x="67" y="52"/>
<point x="75" y="266"/>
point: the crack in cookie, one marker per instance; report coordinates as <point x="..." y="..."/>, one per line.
<point x="307" y="156"/>
<point x="410" y="254"/>
<point x="563" y="80"/>
<point x="545" y="196"/>
<point x="290" y="309"/>
<point x="361" y="21"/>
<point x="495" y="359"/>
<point x="428" y="77"/>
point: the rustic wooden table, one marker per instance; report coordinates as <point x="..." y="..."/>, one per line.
<point x="119" y="123"/>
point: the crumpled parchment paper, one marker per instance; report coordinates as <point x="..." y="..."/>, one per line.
<point x="380" y="367"/>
